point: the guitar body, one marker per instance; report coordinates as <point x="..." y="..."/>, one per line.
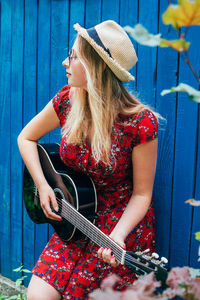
<point x="68" y="185"/>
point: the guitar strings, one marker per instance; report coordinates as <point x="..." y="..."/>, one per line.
<point x="99" y="237"/>
<point x="94" y="232"/>
<point x="106" y="239"/>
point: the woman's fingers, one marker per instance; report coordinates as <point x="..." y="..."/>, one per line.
<point x="48" y="201"/>
<point x="49" y="213"/>
<point x="107" y="256"/>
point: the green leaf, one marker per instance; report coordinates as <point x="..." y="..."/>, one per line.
<point x="178" y="45"/>
<point x="2" y="297"/>
<point x="197" y="236"/>
<point x="26" y="271"/>
<point x="19" y="269"/>
<point x="186" y="13"/>
<point x="182" y="87"/>
<point x="142" y="36"/>
<point x="18" y="282"/>
<point x="12" y="297"/>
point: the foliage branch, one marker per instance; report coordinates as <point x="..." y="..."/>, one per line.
<point x="181" y="16"/>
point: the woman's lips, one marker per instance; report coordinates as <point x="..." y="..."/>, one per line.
<point x="68" y="74"/>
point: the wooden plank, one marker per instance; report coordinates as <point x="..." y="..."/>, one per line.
<point x="167" y="63"/>
<point x="92" y="13"/>
<point x="59" y="43"/>
<point x="184" y="165"/>
<point x="110" y="10"/>
<point x="77" y="15"/>
<point x="128" y="16"/>
<point x="16" y="125"/>
<point x="146" y="83"/>
<point x="30" y="94"/>
<point x="43" y="94"/>
<point x="5" y="96"/>
<point x="194" y="244"/>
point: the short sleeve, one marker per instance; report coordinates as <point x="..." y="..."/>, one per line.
<point x="61" y="104"/>
<point x="146" y="128"/>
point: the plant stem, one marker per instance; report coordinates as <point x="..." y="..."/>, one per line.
<point x="191" y="67"/>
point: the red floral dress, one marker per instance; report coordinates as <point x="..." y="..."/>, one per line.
<point x="74" y="268"/>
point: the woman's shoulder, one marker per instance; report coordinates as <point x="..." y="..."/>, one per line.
<point x="146" y="115"/>
<point x="140" y="126"/>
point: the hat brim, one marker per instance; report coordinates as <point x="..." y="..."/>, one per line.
<point x="118" y="70"/>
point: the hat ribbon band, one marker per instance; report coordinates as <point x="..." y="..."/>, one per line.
<point x="94" y="35"/>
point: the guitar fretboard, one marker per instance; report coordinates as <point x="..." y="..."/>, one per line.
<point x="69" y="213"/>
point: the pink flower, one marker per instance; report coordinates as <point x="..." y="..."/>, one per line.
<point x="110" y="281"/>
<point x="146" y="283"/>
<point x="195" y="287"/>
<point x="177" y="276"/>
<point x="142" y="289"/>
<point x="105" y="295"/>
<point x="170" y="293"/>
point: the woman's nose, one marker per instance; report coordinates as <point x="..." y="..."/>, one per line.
<point x="65" y="62"/>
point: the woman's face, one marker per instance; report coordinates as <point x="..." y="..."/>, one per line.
<point x="75" y="70"/>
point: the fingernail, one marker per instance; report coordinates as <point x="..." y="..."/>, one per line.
<point x="56" y="209"/>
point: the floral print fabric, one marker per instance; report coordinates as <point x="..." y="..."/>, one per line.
<point x="74" y="268"/>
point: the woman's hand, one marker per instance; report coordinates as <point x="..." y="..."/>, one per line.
<point x="47" y="197"/>
<point x="106" y="254"/>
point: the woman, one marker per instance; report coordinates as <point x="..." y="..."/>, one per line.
<point x="112" y="137"/>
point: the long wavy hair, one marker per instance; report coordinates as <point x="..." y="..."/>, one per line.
<point x="94" y="111"/>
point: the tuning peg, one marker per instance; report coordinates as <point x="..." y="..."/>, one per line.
<point x="155" y="255"/>
<point x="146" y="251"/>
<point x="164" y="260"/>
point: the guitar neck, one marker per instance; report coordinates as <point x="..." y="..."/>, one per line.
<point x="69" y="213"/>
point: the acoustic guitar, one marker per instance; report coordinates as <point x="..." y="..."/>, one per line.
<point x="77" y="201"/>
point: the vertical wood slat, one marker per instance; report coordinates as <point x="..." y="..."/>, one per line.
<point x="195" y="226"/>
<point x="184" y="164"/>
<point x="5" y="103"/>
<point x="128" y="16"/>
<point x="77" y="15"/>
<point x="146" y="83"/>
<point x="110" y="10"/>
<point x="59" y="42"/>
<point x="194" y="246"/>
<point x="92" y="13"/>
<point x="30" y="109"/>
<point x="16" y="124"/>
<point x="43" y="97"/>
<point x="167" y="62"/>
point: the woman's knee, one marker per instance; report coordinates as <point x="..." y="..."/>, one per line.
<point x="39" y="289"/>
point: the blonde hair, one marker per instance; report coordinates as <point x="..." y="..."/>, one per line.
<point x="94" y="111"/>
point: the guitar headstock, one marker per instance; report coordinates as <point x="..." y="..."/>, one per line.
<point x="144" y="262"/>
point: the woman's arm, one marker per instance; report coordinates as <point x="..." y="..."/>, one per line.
<point x="144" y="158"/>
<point x="40" y="125"/>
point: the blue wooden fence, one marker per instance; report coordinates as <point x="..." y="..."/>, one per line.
<point x="35" y="38"/>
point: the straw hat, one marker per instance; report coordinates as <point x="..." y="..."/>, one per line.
<point x="112" y="43"/>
